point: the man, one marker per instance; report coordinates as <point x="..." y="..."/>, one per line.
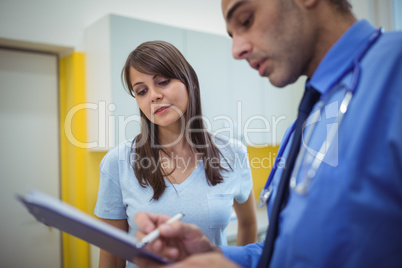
<point x="344" y="204"/>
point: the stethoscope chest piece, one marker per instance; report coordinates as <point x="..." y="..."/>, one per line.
<point x="265" y="195"/>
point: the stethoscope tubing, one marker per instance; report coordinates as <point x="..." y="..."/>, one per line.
<point x="355" y="67"/>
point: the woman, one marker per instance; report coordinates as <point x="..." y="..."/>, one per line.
<point x="174" y="165"/>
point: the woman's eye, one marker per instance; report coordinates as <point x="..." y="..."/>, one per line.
<point x="164" y="82"/>
<point x="141" y="92"/>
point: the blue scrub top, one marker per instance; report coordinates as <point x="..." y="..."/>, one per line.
<point x="352" y="214"/>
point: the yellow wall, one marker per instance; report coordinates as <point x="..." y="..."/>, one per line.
<point x="261" y="161"/>
<point x="79" y="166"/>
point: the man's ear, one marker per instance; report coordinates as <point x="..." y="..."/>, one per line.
<point x="309" y="3"/>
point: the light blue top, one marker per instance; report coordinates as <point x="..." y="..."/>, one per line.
<point x="352" y="214"/>
<point x="209" y="207"/>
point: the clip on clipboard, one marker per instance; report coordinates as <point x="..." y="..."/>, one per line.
<point x="53" y="212"/>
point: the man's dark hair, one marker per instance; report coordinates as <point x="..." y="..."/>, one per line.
<point x="342" y="5"/>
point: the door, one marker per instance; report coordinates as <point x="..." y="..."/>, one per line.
<point x="29" y="156"/>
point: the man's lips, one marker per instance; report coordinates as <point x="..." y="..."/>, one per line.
<point x="162" y="109"/>
<point x="261" y="69"/>
<point x="259" y="66"/>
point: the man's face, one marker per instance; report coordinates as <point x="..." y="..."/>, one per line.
<point x="274" y="36"/>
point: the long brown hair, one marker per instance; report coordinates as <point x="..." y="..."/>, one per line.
<point x="162" y="58"/>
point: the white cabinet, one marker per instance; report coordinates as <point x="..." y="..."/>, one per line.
<point x="248" y="103"/>
<point x="236" y="102"/>
<point x="113" y="115"/>
<point x="209" y="54"/>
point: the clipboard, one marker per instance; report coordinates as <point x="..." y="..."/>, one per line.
<point x="54" y="212"/>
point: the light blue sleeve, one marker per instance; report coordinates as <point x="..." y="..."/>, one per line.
<point x="245" y="256"/>
<point x="242" y="166"/>
<point x="109" y="204"/>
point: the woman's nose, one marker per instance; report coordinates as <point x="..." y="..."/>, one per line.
<point x="156" y="94"/>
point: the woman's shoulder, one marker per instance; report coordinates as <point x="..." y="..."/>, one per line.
<point x="229" y="145"/>
<point x="233" y="151"/>
<point x="118" y="153"/>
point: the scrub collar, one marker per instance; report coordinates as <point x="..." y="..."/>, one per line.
<point x="340" y="57"/>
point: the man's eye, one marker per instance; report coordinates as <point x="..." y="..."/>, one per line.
<point x="247" y="22"/>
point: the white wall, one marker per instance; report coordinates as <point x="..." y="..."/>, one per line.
<point x="398" y="14"/>
<point x="62" y="23"/>
<point x="59" y="25"/>
<point x="378" y="12"/>
<point x="29" y="158"/>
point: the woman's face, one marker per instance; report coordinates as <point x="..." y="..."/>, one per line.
<point x="163" y="101"/>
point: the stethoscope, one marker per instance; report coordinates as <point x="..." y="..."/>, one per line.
<point x="302" y="187"/>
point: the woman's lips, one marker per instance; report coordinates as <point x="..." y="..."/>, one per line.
<point x="162" y="109"/>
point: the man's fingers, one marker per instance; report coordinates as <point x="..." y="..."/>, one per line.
<point x="147" y="222"/>
<point x="171" y="253"/>
<point x="156" y="246"/>
<point x="142" y="262"/>
<point x="180" y="229"/>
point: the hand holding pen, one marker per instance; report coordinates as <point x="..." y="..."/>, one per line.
<point x="180" y="240"/>
<point x="155" y="233"/>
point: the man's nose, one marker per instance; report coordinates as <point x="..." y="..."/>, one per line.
<point x="241" y="48"/>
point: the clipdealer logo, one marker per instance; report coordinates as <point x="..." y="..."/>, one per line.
<point x="111" y="125"/>
<point x="326" y="150"/>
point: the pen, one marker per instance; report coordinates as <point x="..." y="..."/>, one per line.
<point x="155" y="233"/>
